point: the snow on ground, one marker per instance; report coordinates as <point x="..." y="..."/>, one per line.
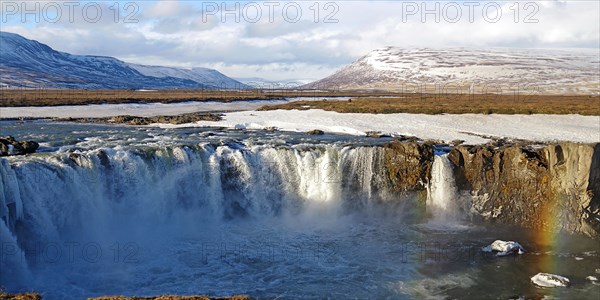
<point x="134" y="109"/>
<point x="472" y="128"/>
<point x="467" y="127"/>
<point x="145" y="109"/>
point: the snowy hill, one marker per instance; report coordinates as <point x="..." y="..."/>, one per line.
<point x="529" y="70"/>
<point x="262" y="83"/>
<point x="206" y="76"/>
<point x="28" y="63"/>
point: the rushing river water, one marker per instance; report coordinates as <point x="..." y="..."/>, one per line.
<point x="104" y="210"/>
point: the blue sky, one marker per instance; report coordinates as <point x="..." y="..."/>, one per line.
<point x="284" y="45"/>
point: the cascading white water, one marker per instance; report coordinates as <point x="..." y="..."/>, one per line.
<point x="442" y="192"/>
<point x="11" y="206"/>
<point x="100" y="194"/>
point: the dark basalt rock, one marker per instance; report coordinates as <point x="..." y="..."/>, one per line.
<point x="10" y="146"/>
<point x="315" y="132"/>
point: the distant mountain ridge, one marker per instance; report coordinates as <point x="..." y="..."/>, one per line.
<point x="206" y="76"/>
<point x="557" y="71"/>
<point x="31" y="64"/>
<point x="262" y="83"/>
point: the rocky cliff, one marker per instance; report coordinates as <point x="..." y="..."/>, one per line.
<point x="547" y="187"/>
<point x="408" y="165"/>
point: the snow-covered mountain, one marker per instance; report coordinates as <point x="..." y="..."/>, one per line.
<point x="262" y="83"/>
<point x="206" y="76"/>
<point x="28" y="63"/>
<point x="446" y="70"/>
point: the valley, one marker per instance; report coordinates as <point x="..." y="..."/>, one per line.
<point x="408" y="173"/>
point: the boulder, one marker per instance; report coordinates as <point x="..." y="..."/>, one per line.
<point x="550" y="280"/>
<point x="376" y="134"/>
<point x="10" y="146"/>
<point x="503" y="248"/>
<point x="29" y="146"/>
<point x="315" y="132"/>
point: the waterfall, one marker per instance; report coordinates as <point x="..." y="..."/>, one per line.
<point x="155" y="195"/>
<point x="442" y="194"/>
<point x="11" y="206"/>
<point x="222" y="181"/>
<point x="103" y="193"/>
<point x="12" y="260"/>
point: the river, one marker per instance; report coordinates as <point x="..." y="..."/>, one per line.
<point x="107" y="210"/>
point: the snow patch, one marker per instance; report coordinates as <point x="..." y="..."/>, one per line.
<point x="472" y="128"/>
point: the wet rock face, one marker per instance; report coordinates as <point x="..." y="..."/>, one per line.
<point x="547" y="187"/>
<point x="10" y="146"/>
<point x="408" y="164"/>
<point x="591" y="213"/>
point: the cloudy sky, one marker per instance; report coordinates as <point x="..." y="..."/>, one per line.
<point x="294" y="40"/>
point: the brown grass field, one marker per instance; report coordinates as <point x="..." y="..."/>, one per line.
<point x="36" y="97"/>
<point x="361" y="101"/>
<point x="456" y="104"/>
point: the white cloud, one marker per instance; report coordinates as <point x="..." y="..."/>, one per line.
<point x="165" y="8"/>
<point x="175" y="33"/>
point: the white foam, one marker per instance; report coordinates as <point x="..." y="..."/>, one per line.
<point x="434" y="288"/>
<point x="442" y="193"/>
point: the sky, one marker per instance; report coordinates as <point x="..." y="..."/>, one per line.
<point x="293" y="40"/>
